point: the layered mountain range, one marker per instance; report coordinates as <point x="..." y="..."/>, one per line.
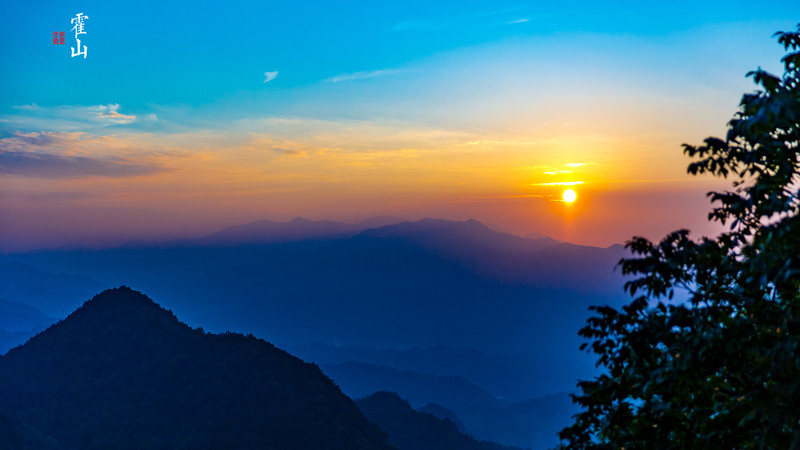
<point x="498" y="311"/>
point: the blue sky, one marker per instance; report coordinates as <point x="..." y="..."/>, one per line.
<point x="195" y="53"/>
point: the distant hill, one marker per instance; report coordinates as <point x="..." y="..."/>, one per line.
<point x="413" y="430"/>
<point x="15" y="316"/>
<point x="9" y="340"/>
<point x="121" y="372"/>
<point x="18" y="323"/>
<point x="533" y="422"/>
<point x="299" y="228"/>
<point x="444" y="413"/>
<point x="512" y="378"/>
<point x="358" y="380"/>
<point x="540" y="262"/>
<point x="452" y="235"/>
<point x="56" y="293"/>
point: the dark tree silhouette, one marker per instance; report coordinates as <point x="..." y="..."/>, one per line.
<point x="721" y="370"/>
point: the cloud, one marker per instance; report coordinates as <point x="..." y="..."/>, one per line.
<point x="361" y="75"/>
<point x="521" y="20"/>
<point x="270" y="76"/>
<point x="562" y="183"/>
<point x="57" y="197"/>
<point x="67" y="117"/>
<point x="72" y="155"/>
<point x="105" y="113"/>
<point x="152" y="117"/>
<point x="44" y="165"/>
<point x="38" y="139"/>
<point x="31" y="107"/>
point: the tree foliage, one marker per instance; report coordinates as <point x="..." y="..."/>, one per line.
<point x="722" y="369"/>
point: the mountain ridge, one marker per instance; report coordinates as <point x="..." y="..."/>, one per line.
<point x="122" y="372"/>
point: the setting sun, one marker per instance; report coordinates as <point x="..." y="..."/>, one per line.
<point x="569" y="196"/>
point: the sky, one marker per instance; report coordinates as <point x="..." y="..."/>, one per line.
<point x="186" y="117"/>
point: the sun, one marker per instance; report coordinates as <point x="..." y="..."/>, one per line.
<point x="569" y="196"/>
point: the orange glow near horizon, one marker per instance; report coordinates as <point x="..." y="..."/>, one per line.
<point x="194" y="184"/>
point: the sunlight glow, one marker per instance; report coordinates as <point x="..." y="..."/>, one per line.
<point x="560" y="183"/>
<point x="569" y="196"/>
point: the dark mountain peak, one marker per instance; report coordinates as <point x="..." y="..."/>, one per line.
<point x="121" y="297"/>
<point x="300" y="220"/>
<point x="122" y="372"/>
<point x="125" y="308"/>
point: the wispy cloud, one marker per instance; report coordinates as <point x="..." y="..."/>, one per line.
<point x="361" y="75"/>
<point x="72" y="155"/>
<point x="104" y="113"/>
<point x="560" y="183"/>
<point x="270" y="76"/>
<point x="45" y="165"/>
<point x="520" y="20"/>
<point x="68" y="117"/>
<point x="31" y="107"/>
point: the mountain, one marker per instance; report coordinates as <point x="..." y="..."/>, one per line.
<point x="16" y="316"/>
<point x="506" y="377"/>
<point x="267" y="231"/>
<point x="443" y="413"/>
<point x="450" y="236"/>
<point x="391" y="287"/>
<point x="18" y="322"/>
<point x="121" y="372"/>
<point x="429" y="284"/>
<point x="9" y="340"/>
<point x="413" y="430"/>
<point x="358" y="380"/>
<point x="540" y="262"/>
<point x="533" y="422"/>
<point x="15" y="435"/>
<point x="56" y="294"/>
<point x="530" y="423"/>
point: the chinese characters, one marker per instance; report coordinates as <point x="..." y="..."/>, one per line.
<point x="79" y="28"/>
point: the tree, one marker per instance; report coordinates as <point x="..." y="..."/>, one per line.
<point x="722" y="369"/>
